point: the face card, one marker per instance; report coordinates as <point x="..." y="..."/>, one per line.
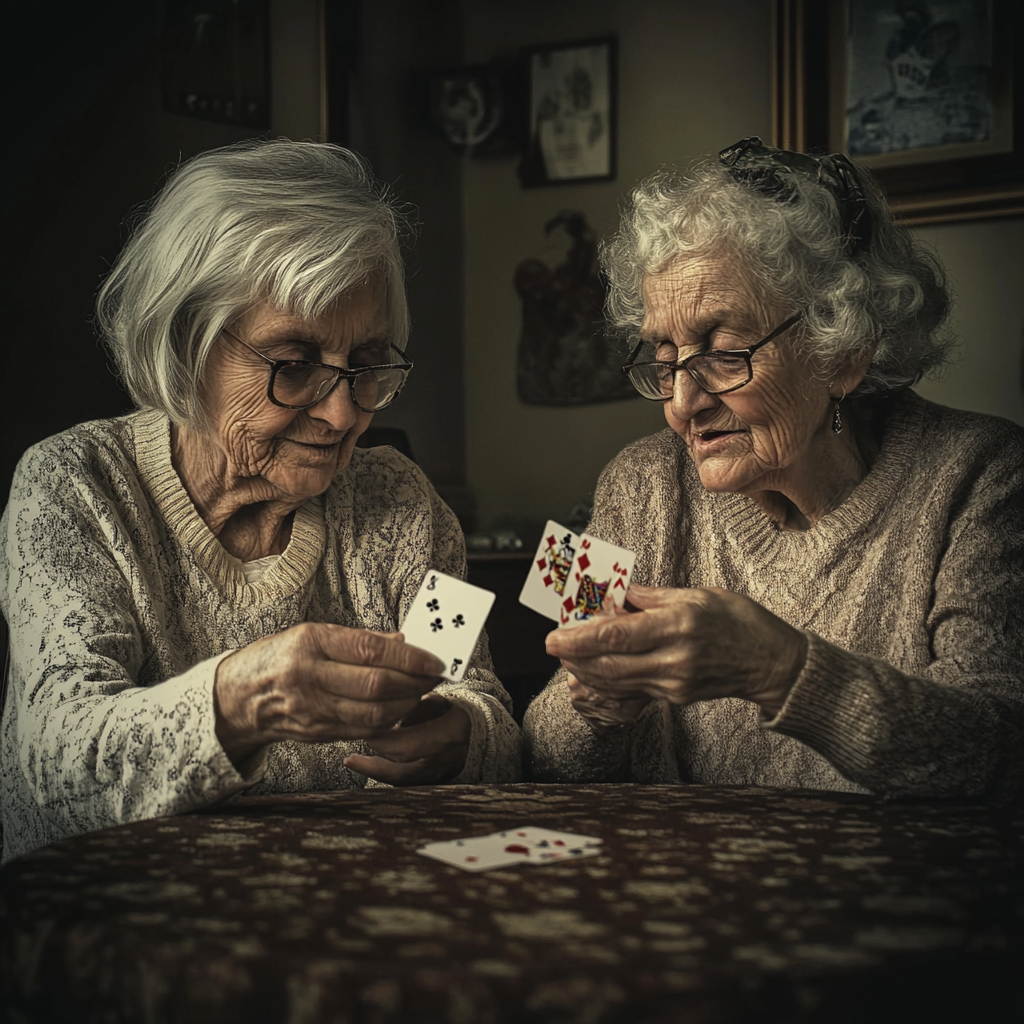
<point x="599" y="570"/>
<point x="446" y="618"/>
<point x="544" y="589"/>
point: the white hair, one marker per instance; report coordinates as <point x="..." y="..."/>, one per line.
<point x="890" y="297"/>
<point x="294" y="224"/>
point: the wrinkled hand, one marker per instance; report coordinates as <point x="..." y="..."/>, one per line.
<point x="604" y="712"/>
<point x="317" y="683"/>
<point x="429" y="745"/>
<point x="683" y="646"/>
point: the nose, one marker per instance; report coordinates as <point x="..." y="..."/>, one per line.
<point x="337" y="410"/>
<point x="688" y="398"/>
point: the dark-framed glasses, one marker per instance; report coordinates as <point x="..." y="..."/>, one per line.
<point x="300" y="384"/>
<point x="717" y="372"/>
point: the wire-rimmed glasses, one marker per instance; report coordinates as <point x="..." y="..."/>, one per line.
<point x="300" y="384"/>
<point x="717" y="372"/>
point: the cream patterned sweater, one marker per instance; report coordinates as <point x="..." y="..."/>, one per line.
<point x="121" y="604"/>
<point x="911" y="595"/>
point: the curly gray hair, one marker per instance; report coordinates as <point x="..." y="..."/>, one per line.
<point x="890" y="297"/>
<point x="295" y="224"/>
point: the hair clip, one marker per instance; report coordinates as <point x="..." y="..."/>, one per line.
<point x="766" y="168"/>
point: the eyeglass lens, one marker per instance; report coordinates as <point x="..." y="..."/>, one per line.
<point x="302" y="384"/>
<point x="714" y="372"/>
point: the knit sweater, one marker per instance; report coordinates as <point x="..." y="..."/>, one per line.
<point x="121" y="603"/>
<point x="910" y="595"/>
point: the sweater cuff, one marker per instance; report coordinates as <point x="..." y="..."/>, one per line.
<point x="822" y="709"/>
<point x="225" y="778"/>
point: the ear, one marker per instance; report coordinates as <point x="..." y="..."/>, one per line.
<point x="851" y="373"/>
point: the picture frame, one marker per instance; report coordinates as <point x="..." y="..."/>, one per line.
<point x="966" y="165"/>
<point x="571" y="122"/>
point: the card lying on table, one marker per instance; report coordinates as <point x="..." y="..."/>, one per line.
<point x="527" y="845"/>
<point x="446" y="619"/>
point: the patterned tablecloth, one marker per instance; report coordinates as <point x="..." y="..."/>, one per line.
<point x="707" y="904"/>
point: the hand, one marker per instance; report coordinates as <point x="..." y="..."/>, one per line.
<point x="317" y="683"/>
<point x="428" y="746"/>
<point x="683" y="646"/>
<point x="604" y="712"/>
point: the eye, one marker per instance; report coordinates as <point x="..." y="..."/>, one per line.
<point x="376" y="353"/>
<point x="665" y="352"/>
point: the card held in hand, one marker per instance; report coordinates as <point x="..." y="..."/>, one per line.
<point x="446" y="618"/>
<point x="599" y="569"/>
<point x="544" y="589"/>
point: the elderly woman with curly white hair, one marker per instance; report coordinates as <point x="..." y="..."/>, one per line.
<point x="204" y="595"/>
<point x="829" y="584"/>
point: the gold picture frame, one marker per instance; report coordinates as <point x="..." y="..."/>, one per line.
<point x="939" y="182"/>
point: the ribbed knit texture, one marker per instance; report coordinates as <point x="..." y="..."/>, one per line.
<point x="121" y="603"/>
<point x="911" y="594"/>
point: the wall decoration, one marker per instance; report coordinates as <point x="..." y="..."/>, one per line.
<point x="923" y="93"/>
<point x="216" y="60"/>
<point x="564" y="356"/>
<point x="476" y="109"/>
<point x="571" y="129"/>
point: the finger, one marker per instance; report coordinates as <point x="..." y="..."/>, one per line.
<point x="606" y="634"/>
<point x="320" y="718"/>
<point x="431" y="706"/>
<point x="363" y="683"/>
<point x="364" y="647"/>
<point x="413" y="742"/>
<point x="414" y="773"/>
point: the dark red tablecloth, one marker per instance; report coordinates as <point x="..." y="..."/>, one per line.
<point x="707" y="904"/>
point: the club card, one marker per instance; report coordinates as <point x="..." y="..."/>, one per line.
<point x="544" y="589"/>
<point x="446" y="619"/>
<point x="527" y="845"/>
<point x="599" y="569"/>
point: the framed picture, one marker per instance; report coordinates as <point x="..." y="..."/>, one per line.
<point x="216" y="61"/>
<point x="571" y="113"/>
<point x="927" y="95"/>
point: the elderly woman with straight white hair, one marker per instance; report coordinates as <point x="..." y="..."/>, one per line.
<point x="204" y="595"/>
<point x="829" y="583"/>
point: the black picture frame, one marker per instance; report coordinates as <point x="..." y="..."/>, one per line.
<point x="571" y="119"/>
<point x="933" y="184"/>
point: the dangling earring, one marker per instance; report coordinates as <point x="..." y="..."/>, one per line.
<point x="837" y="420"/>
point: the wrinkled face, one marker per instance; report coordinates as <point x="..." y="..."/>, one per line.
<point x="289" y="453"/>
<point x="759" y="436"/>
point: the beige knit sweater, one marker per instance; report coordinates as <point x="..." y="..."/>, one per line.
<point x="121" y="604"/>
<point x="911" y="595"/>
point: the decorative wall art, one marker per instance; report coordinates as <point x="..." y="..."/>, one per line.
<point x="571" y="113"/>
<point x="925" y="93"/>
<point x="216" y="61"/>
<point x="564" y="357"/>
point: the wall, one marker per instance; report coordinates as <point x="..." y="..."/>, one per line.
<point x="83" y="104"/>
<point x="985" y="262"/>
<point x="694" y="77"/>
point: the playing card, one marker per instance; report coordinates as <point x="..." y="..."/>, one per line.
<point x="598" y="569"/>
<point x="529" y="845"/>
<point x="544" y="588"/>
<point x="446" y="618"/>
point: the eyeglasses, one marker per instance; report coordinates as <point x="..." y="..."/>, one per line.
<point x="298" y="384"/>
<point x="717" y="373"/>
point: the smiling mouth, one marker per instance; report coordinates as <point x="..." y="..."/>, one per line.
<point x="711" y="435"/>
<point x="316" y="447"/>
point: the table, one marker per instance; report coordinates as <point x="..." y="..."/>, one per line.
<point x="708" y="904"/>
